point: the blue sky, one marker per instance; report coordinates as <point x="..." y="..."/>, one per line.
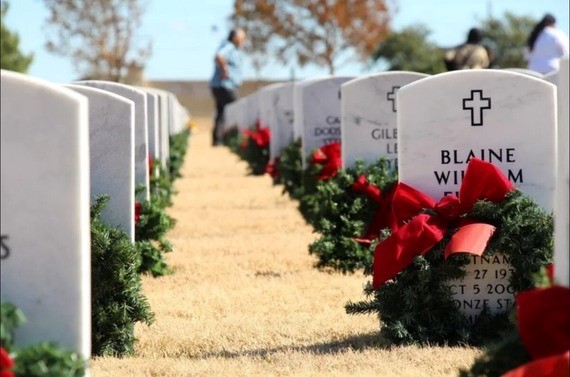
<point x="185" y="33"/>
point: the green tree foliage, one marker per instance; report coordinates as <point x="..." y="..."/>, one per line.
<point x="410" y="50"/>
<point x="507" y="38"/>
<point x="11" y="57"/>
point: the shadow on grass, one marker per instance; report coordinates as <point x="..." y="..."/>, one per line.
<point x="354" y="343"/>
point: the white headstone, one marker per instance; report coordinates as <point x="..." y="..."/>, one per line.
<point x="242" y="117"/>
<point x="266" y="102"/>
<point x="230" y="116"/>
<point x="172" y="113"/>
<point x="153" y="124"/>
<point x="320" y="106"/>
<point x="561" y="218"/>
<point x="141" y="126"/>
<point x="111" y="149"/>
<point x="45" y="225"/>
<point x="368" y="117"/>
<point x="164" y="135"/>
<point x="181" y="117"/>
<point x="298" y="115"/>
<point x="281" y="119"/>
<point x="502" y="117"/>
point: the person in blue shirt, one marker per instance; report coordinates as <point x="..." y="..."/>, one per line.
<point x="227" y="78"/>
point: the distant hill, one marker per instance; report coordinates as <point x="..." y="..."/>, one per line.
<point x="196" y="96"/>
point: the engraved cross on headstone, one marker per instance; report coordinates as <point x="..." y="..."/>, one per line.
<point x="391" y="96"/>
<point x="476" y="104"/>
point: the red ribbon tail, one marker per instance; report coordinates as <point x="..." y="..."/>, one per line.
<point x="363" y="241"/>
<point x="398" y="251"/>
<point x="471" y="238"/>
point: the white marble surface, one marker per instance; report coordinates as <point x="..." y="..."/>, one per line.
<point x="141" y="127"/>
<point x="561" y="218"/>
<point x="525" y="71"/>
<point x="266" y="102"/>
<point x="111" y="150"/>
<point x="241" y="114"/>
<point x="230" y="116"/>
<point x="163" y="141"/>
<point x="281" y="119"/>
<point x="153" y="125"/>
<point x="45" y="225"/>
<point x="164" y="132"/>
<point x="171" y="98"/>
<point x="297" y="104"/>
<point x="551" y="77"/>
<point x="181" y="117"/>
<point x="514" y="117"/>
<point x="320" y="105"/>
<point x="252" y="112"/>
<point x="368" y="117"/>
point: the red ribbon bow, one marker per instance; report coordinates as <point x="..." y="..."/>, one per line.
<point x="138" y="212"/>
<point x="482" y="181"/>
<point x="272" y="168"/>
<point x="543" y="317"/>
<point x="383" y="216"/>
<point x="6" y="364"/>
<point x="329" y="157"/>
<point x="261" y="136"/>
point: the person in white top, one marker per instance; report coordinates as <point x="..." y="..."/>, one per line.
<point x="546" y="45"/>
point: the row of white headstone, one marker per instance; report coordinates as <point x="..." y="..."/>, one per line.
<point x="61" y="146"/>
<point x="428" y="127"/>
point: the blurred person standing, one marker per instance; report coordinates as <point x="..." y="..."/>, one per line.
<point x="227" y="78"/>
<point x="546" y="45"/>
<point x="469" y="55"/>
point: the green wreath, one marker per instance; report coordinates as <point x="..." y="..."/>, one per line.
<point x="340" y="215"/>
<point x="417" y="306"/>
<point x="231" y="138"/>
<point x="291" y="169"/>
<point x="255" y="150"/>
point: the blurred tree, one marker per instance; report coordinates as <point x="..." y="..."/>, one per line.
<point x="321" y="32"/>
<point x="99" y="35"/>
<point x="507" y="39"/>
<point x="409" y="50"/>
<point x="11" y="57"/>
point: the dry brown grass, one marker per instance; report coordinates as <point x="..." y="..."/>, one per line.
<point x="245" y="299"/>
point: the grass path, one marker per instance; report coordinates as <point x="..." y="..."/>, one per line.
<point x="245" y="299"/>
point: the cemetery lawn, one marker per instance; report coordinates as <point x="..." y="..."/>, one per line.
<point x="245" y="299"/>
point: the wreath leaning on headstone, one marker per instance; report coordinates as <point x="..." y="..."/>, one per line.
<point x="290" y="169"/>
<point x="177" y="151"/>
<point x="231" y="138"/>
<point x="414" y="265"/>
<point x="349" y="212"/>
<point x="322" y="165"/>
<point x="254" y="148"/>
